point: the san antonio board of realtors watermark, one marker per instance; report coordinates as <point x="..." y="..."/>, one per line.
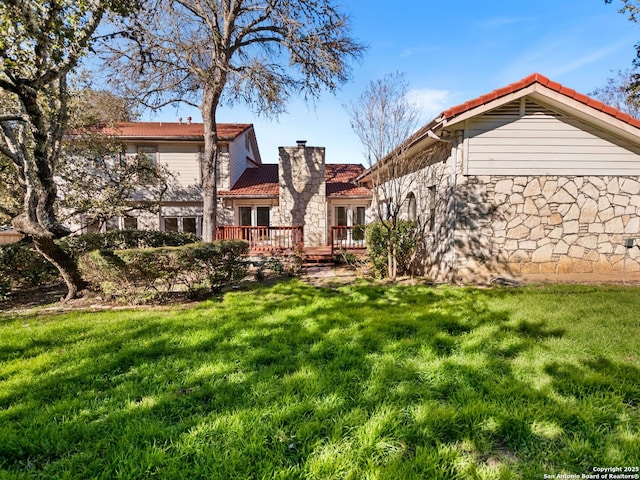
<point x="600" y="473"/>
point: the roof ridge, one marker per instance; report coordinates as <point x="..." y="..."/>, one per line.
<point x="545" y="82"/>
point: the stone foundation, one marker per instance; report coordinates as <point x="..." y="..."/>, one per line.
<point x="550" y="225"/>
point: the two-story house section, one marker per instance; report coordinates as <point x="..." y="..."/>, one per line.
<point x="299" y="201"/>
<point x="179" y="147"/>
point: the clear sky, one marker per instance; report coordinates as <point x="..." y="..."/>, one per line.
<point x="450" y="51"/>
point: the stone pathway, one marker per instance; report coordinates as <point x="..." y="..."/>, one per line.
<point x="325" y="276"/>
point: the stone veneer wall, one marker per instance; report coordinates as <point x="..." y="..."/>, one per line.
<point x="554" y="225"/>
<point x="303" y="191"/>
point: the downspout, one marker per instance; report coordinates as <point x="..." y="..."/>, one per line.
<point x="454" y="185"/>
<point x="452" y="221"/>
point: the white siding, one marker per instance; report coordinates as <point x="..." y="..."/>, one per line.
<point x="544" y="142"/>
<point x="242" y="155"/>
<point x="182" y="160"/>
<point x="238" y="154"/>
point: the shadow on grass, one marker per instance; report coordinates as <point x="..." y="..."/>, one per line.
<point x="292" y="381"/>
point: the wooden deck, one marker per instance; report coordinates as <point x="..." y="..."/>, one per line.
<point x="318" y="256"/>
<point x="286" y="240"/>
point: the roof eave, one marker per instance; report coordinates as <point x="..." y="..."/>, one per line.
<point x="245" y="195"/>
<point x="333" y="195"/>
<point x="556" y="100"/>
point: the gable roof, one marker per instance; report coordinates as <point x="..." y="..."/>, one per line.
<point x="536" y="78"/>
<point x="263" y="182"/>
<point x="540" y="89"/>
<point x="255" y="182"/>
<point x="172" y="130"/>
<point x="341" y="180"/>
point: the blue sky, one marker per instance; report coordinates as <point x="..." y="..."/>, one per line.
<point x="450" y="52"/>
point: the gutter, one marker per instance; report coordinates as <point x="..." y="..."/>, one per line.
<point x="426" y="132"/>
<point x="222" y="195"/>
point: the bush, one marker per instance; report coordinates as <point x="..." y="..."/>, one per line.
<point x="22" y="266"/>
<point x="377" y="240"/>
<point x="124" y="239"/>
<point x="5" y="289"/>
<point x="139" y="275"/>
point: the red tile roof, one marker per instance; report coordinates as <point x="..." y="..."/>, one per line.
<point x="255" y="182"/>
<point x="544" y="81"/>
<point x="264" y="181"/>
<point x="341" y="178"/>
<point x="173" y="130"/>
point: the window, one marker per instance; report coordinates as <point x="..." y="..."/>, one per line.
<point x="147" y="159"/>
<point x="189" y="225"/>
<point x="112" y="224"/>
<point x="412" y="208"/>
<point x="262" y="216"/>
<point x="345" y="218"/>
<point x="182" y="224"/>
<point x="252" y="216"/>
<point x="170" y="224"/>
<point x="130" y="223"/>
<point x="245" y="216"/>
<point x="341" y="216"/>
<point x="360" y="216"/>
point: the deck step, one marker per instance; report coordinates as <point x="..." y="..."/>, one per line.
<point x="318" y="259"/>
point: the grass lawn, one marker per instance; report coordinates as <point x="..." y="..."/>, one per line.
<point x="359" y="382"/>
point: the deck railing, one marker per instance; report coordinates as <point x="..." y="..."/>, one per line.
<point x="347" y="238"/>
<point x="263" y="239"/>
<point x="9" y="237"/>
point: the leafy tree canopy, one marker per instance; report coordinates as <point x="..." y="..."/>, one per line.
<point x="41" y="42"/>
<point x="209" y="52"/>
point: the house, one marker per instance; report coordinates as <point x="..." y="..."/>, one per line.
<point x="178" y="146"/>
<point x="298" y="201"/>
<point x="301" y="191"/>
<point x="531" y="180"/>
<point x="9" y="235"/>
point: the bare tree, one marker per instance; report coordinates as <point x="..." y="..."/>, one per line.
<point x="97" y="179"/>
<point x="209" y="52"/>
<point x="619" y="93"/>
<point x="40" y="43"/>
<point x="383" y="118"/>
<point x="630" y="8"/>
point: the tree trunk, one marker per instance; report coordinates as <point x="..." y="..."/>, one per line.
<point x="391" y="270"/>
<point x="64" y="263"/>
<point x="210" y="168"/>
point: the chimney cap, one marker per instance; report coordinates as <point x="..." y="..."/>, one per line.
<point x="301" y="143"/>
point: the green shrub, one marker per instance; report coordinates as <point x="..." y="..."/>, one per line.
<point x="22" y="266"/>
<point x="358" y="233"/>
<point x="138" y="275"/>
<point x="5" y="288"/>
<point x="377" y="241"/>
<point x="78" y="245"/>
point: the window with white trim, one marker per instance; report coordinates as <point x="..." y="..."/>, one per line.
<point x="254" y="216"/>
<point x="412" y="207"/>
<point x="147" y="158"/>
<point x="187" y="224"/>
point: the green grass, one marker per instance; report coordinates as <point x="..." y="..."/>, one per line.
<point x="357" y="382"/>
